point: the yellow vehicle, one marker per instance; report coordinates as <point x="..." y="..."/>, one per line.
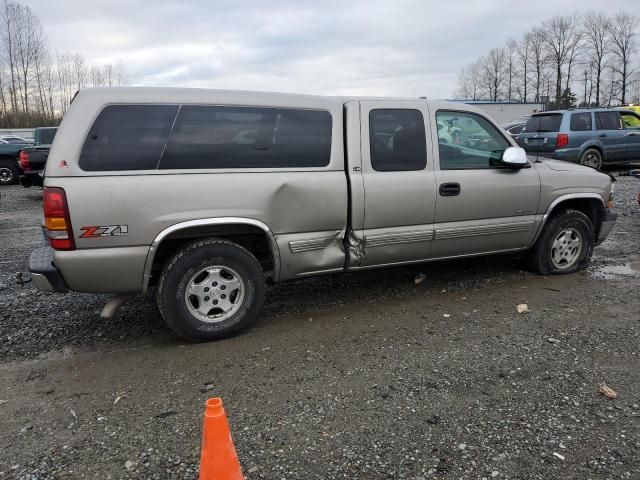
<point x="629" y="120"/>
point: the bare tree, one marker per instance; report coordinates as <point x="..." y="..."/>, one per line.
<point x="596" y="29"/>
<point x="95" y="76"/>
<point x="79" y="69"/>
<point x="559" y="35"/>
<point x="538" y="60"/>
<point x="9" y="27"/>
<point x="34" y="87"/>
<point x="120" y="73"/>
<point x="623" y="39"/>
<point x="576" y="46"/>
<point x="464" y="89"/>
<point x="523" y="52"/>
<point x="510" y="53"/>
<point x="108" y="74"/>
<point x="494" y="72"/>
<point x="29" y="43"/>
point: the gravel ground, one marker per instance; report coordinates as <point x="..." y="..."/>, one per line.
<point x="361" y="376"/>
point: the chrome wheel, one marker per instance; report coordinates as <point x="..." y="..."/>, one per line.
<point x="214" y="293"/>
<point x="592" y="159"/>
<point x="6" y="175"/>
<point x="566" y="249"/>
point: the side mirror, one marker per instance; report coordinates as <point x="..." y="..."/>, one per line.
<point x="514" y="157"/>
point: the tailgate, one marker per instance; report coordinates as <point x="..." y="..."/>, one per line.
<point x="540" y="133"/>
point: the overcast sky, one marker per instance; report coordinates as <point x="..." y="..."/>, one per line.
<point x="359" y="47"/>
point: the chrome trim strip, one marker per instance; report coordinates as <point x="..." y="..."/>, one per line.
<point x="434" y="259"/>
<point x="398" y="237"/>
<point x="299" y="246"/>
<point x="479" y="230"/>
<point x="275" y="252"/>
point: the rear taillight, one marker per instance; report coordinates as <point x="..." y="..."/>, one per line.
<point x="562" y="140"/>
<point x="56" y="219"/>
<point x="23" y="159"/>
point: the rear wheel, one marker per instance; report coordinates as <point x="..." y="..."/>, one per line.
<point x="211" y="289"/>
<point x="591" y="158"/>
<point x="8" y="174"/>
<point x="564" y="246"/>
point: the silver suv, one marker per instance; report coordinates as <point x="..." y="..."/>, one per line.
<point x="206" y="194"/>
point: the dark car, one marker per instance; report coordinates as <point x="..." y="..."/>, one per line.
<point x="587" y="136"/>
<point x="33" y="159"/>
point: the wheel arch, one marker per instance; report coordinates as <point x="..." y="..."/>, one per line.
<point x="595" y="146"/>
<point x="254" y="235"/>
<point x="591" y="204"/>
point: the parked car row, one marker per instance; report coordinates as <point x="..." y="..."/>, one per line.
<point x="591" y="137"/>
<point x="22" y="160"/>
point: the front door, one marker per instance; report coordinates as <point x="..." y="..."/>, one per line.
<point x="399" y="186"/>
<point x="481" y="207"/>
<point x="631" y="123"/>
<point x="611" y="135"/>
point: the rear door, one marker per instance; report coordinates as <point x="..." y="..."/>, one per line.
<point x="398" y="207"/>
<point x="611" y="135"/>
<point x="481" y="207"/>
<point x="540" y="132"/>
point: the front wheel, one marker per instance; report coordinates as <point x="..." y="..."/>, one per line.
<point x="564" y="246"/>
<point x="591" y="158"/>
<point x="211" y="289"/>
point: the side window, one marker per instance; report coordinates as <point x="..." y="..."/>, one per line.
<point x="468" y="141"/>
<point x="581" y="122"/>
<point x="631" y="121"/>
<point x="608" y="121"/>
<point x="248" y="137"/>
<point x="516" y="129"/>
<point x="127" y="137"/>
<point x="397" y="140"/>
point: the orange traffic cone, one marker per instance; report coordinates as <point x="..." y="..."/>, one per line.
<point x="218" y="459"/>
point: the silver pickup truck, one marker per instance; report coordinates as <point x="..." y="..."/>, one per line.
<point x="206" y="194"/>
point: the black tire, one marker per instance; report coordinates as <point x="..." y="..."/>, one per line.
<point x="180" y="271"/>
<point x="539" y="258"/>
<point x="8" y="174"/>
<point x="592" y="157"/>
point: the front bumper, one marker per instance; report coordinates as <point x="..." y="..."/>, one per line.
<point x="606" y="226"/>
<point x="44" y="274"/>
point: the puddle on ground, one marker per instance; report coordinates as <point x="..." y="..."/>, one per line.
<point x="612" y="272"/>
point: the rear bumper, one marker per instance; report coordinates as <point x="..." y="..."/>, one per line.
<point x="567" y="154"/>
<point x="607" y="225"/>
<point x="31" y="179"/>
<point x="44" y="274"/>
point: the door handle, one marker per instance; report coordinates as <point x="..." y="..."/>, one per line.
<point x="449" y="189"/>
<point x="631" y="134"/>
<point x="602" y="135"/>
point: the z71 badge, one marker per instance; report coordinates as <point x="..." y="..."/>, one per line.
<point x="104" y="231"/>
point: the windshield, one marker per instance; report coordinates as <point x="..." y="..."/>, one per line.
<point x="543" y="123"/>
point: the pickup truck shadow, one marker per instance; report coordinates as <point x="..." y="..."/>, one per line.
<point x="39" y="322"/>
<point x="326" y="293"/>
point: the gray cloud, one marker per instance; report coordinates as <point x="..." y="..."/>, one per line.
<point x="360" y="47"/>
